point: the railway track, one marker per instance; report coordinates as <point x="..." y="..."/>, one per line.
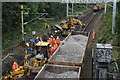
<point x="87" y="20"/>
<point x="55" y="63"/>
<point x="87" y="67"/>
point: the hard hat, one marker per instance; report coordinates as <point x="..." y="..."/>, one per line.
<point x="32" y="40"/>
<point x="30" y="49"/>
<point x="33" y="32"/>
<point x="50" y="45"/>
<point x="57" y="37"/>
<point x="56" y="31"/>
<point x="51" y="36"/>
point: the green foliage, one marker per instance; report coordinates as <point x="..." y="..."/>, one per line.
<point x="11" y="19"/>
<point x="105" y="35"/>
<point x="118" y="24"/>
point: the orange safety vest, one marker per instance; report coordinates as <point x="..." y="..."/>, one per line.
<point x="55" y="46"/>
<point x="15" y="66"/>
<point x="53" y="39"/>
<point x="50" y="41"/>
<point x="51" y="51"/>
<point x="58" y="41"/>
<point x="93" y="35"/>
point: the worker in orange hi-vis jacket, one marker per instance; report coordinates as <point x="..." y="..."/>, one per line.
<point x="93" y="35"/>
<point x="55" y="46"/>
<point x="58" y="40"/>
<point x="15" y="66"/>
<point x="51" y="51"/>
<point x="52" y="38"/>
<point x="50" y="41"/>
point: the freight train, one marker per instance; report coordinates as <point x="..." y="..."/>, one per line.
<point x="98" y="7"/>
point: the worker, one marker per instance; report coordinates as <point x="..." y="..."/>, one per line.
<point x="55" y="46"/>
<point x="32" y="42"/>
<point x="52" y="39"/>
<point x="52" y="49"/>
<point x="15" y="65"/>
<point x="93" y="35"/>
<point x="58" y="40"/>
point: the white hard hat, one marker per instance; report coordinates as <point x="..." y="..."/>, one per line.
<point x="51" y="36"/>
<point x="50" y="45"/>
<point x="33" y="32"/>
<point x="57" y="37"/>
<point x="56" y="31"/>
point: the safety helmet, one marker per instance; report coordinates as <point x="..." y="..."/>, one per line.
<point x="50" y="45"/>
<point x="56" y="31"/>
<point x="33" y="33"/>
<point x="57" y="37"/>
<point x="30" y="49"/>
<point x="51" y="36"/>
<point x="32" y="40"/>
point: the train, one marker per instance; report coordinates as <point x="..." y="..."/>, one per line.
<point x="98" y="7"/>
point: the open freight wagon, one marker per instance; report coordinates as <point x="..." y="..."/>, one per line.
<point x="58" y="71"/>
<point x="72" y="50"/>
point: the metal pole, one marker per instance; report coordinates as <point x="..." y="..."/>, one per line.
<point x="23" y="39"/>
<point x="105" y="8"/>
<point x="86" y="6"/>
<point x="72" y="8"/>
<point x="113" y="17"/>
<point x="67" y="11"/>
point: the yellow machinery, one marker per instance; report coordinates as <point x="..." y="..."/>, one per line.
<point x="71" y="24"/>
<point x="26" y="62"/>
<point x="65" y="28"/>
<point x="16" y="74"/>
<point x="101" y="6"/>
<point x="77" y="22"/>
<point x="41" y="56"/>
<point x="42" y="53"/>
<point x="39" y="63"/>
<point x="64" y="25"/>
